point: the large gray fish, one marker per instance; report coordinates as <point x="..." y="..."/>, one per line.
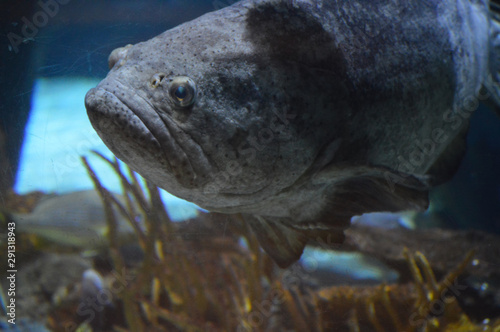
<point x="300" y="114"/>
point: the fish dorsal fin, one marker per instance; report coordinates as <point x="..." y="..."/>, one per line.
<point x="283" y="243"/>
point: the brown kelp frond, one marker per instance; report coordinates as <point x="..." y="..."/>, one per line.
<point x="131" y="310"/>
<point x="176" y="287"/>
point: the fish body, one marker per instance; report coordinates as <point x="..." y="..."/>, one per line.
<point x="301" y="114"/>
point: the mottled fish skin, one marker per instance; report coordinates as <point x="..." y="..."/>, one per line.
<point x="303" y="113"/>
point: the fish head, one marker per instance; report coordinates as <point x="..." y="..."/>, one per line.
<point x="185" y="110"/>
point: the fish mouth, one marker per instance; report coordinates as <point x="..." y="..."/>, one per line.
<point x="135" y="133"/>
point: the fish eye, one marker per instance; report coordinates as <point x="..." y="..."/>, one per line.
<point x="182" y="91"/>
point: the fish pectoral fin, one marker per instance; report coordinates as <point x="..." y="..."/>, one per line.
<point x="448" y="162"/>
<point x="372" y="193"/>
<point x="365" y="190"/>
<point x="283" y="243"/>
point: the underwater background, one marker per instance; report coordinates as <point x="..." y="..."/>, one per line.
<point x="163" y="264"/>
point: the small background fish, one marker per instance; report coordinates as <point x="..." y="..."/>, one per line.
<point x="76" y="219"/>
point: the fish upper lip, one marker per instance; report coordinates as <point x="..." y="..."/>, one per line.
<point x="97" y="94"/>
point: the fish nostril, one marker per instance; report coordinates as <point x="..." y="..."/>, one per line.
<point x="117" y="55"/>
<point x="157" y="80"/>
